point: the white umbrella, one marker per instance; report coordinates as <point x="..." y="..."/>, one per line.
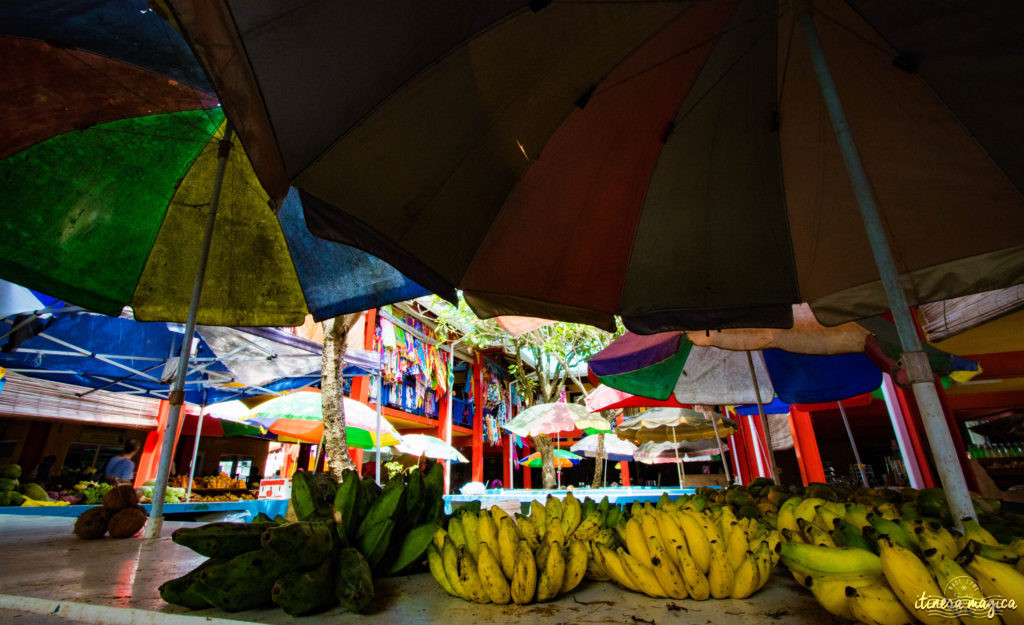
<point x="615" y="448"/>
<point x="552" y="418"/>
<point x="429" y="446"/>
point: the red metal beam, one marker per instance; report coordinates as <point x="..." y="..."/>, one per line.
<point x="806" y="447"/>
<point x="478" y="418"/>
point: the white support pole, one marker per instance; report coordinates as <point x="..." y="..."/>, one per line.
<point x="853" y="444"/>
<point x="761" y="470"/>
<point x="914" y="359"/>
<point x="177" y="394"/>
<point x="679" y="463"/>
<point x="710" y="414"/>
<point x="899" y="426"/>
<point x="448" y="424"/>
<point x="195" y="452"/>
<point x="769" y="452"/>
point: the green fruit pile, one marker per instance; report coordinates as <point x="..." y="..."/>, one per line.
<point x="344" y="536"/>
<point x="14" y="493"/>
<point x="884" y="564"/>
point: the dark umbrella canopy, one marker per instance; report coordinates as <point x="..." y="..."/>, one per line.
<point x="108" y="158"/>
<point x="671" y="162"/>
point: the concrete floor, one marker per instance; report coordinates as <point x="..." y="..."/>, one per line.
<point x="44" y="566"/>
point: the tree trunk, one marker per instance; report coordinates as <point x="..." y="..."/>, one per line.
<point x="332" y="383"/>
<point x="547" y="460"/>
<point x="599" y="463"/>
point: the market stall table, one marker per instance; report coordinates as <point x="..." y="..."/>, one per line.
<point x="252" y="507"/>
<point x="54" y="566"/>
<point x="616" y="495"/>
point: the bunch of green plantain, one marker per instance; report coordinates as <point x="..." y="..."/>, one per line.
<point x="344" y="535"/>
<point x="679" y="549"/>
<point x="883" y="564"/>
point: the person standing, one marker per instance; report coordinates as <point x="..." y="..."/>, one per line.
<point x="121" y="468"/>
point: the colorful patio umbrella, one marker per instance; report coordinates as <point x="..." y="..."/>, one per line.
<point x="677" y="425"/>
<point x="125" y="186"/>
<point x="299" y="416"/>
<point x="615" y="448"/>
<point x="429" y="446"/>
<point x="109" y="159"/>
<point x="563" y="459"/>
<point x="605" y="397"/>
<point x="555" y="417"/>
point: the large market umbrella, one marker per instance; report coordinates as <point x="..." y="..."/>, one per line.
<point x="125" y="186"/>
<point x="563" y="459"/>
<point x="429" y="446"/>
<point x="554" y="417"/>
<point x="715" y="162"/>
<point x="615" y="448"/>
<point x="299" y="416"/>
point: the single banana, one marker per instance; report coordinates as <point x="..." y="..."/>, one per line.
<point x="736" y="547"/>
<point x="947" y="570"/>
<point x="497" y="514"/>
<point x="552" y="571"/>
<point x="571" y="514"/>
<point x="471" y="530"/>
<point x="636" y="541"/>
<point x="439" y="535"/>
<point x="787" y="515"/>
<point x="720" y="573"/>
<point x="554" y="533"/>
<point x="998" y="579"/>
<point x="455" y="531"/>
<point x="644" y="576"/>
<point x="857" y="514"/>
<point x="450" y="562"/>
<point x="887" y="510"/>
<point x="436" y="565"/>
<point x="696" y="540"/>
<point x="612" y="564"/>
<point x="909" y="577"/>
<point x="607" y="537"/>
<point x="746" y="577"/>
<point x="649" y="527"/>
<point x="553" y="509"/>
<point x="830" y="559"/>
<point x="876" y="604"/>
<point x="487" y="531"/>
<point x="807" y="508"/>
<point x="589" y="526"/>
<point x="974" y="531"/>
<point x="815" y="535"/>
<point x="539" y="514"/>
<point x="831" y="592"/>
<point x="530" y="531"/>
<point x="669" y="577"/>
<point x="469" y="576"/>
<point x="824" y="518"/>
<point x="696" y="582"/>
<point x="763" y="555"/>
<point x="508" y="540"/>
<point x="575" y="565"/>
<point x="794" y="536"/>
<point x="727" y="522"/>
<point x="595" y="565"/>
<point x="671" y="534"/>
<point x="494" y="582"/>
<point x="524" y="578"/>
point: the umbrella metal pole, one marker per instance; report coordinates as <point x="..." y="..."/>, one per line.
<point x="376" y="443"/>
<point x="195" y="452"/>
<point x="721" y="452"/>
<point x="177" y="394"/>
<point x="448" y="424"/>
<point x="679" y="465"/>
<point x="764" y="419"/>
<point x="853" y="444"/>
<point x="914" y="359"/>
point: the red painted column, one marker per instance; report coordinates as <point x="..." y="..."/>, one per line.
<point x="915" y="430"/>
<point x="624" y="464"/>
<point x="506" y="456"/>
<point x="478" y="418"/>
<point x="150" y="458"/>
<point x="805" y="444"/>
<point x="738" y="446"/>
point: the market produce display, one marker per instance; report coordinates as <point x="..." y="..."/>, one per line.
<point x="120" y="515"/>
<point x="891" y="557"/>
<point x="677" y="549"/>
<point x="14" y="493"/>
<point x="343" y="536"/>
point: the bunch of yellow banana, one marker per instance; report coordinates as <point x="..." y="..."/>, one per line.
<point x="679" y="552"/>
<point x="487" y="557"/>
